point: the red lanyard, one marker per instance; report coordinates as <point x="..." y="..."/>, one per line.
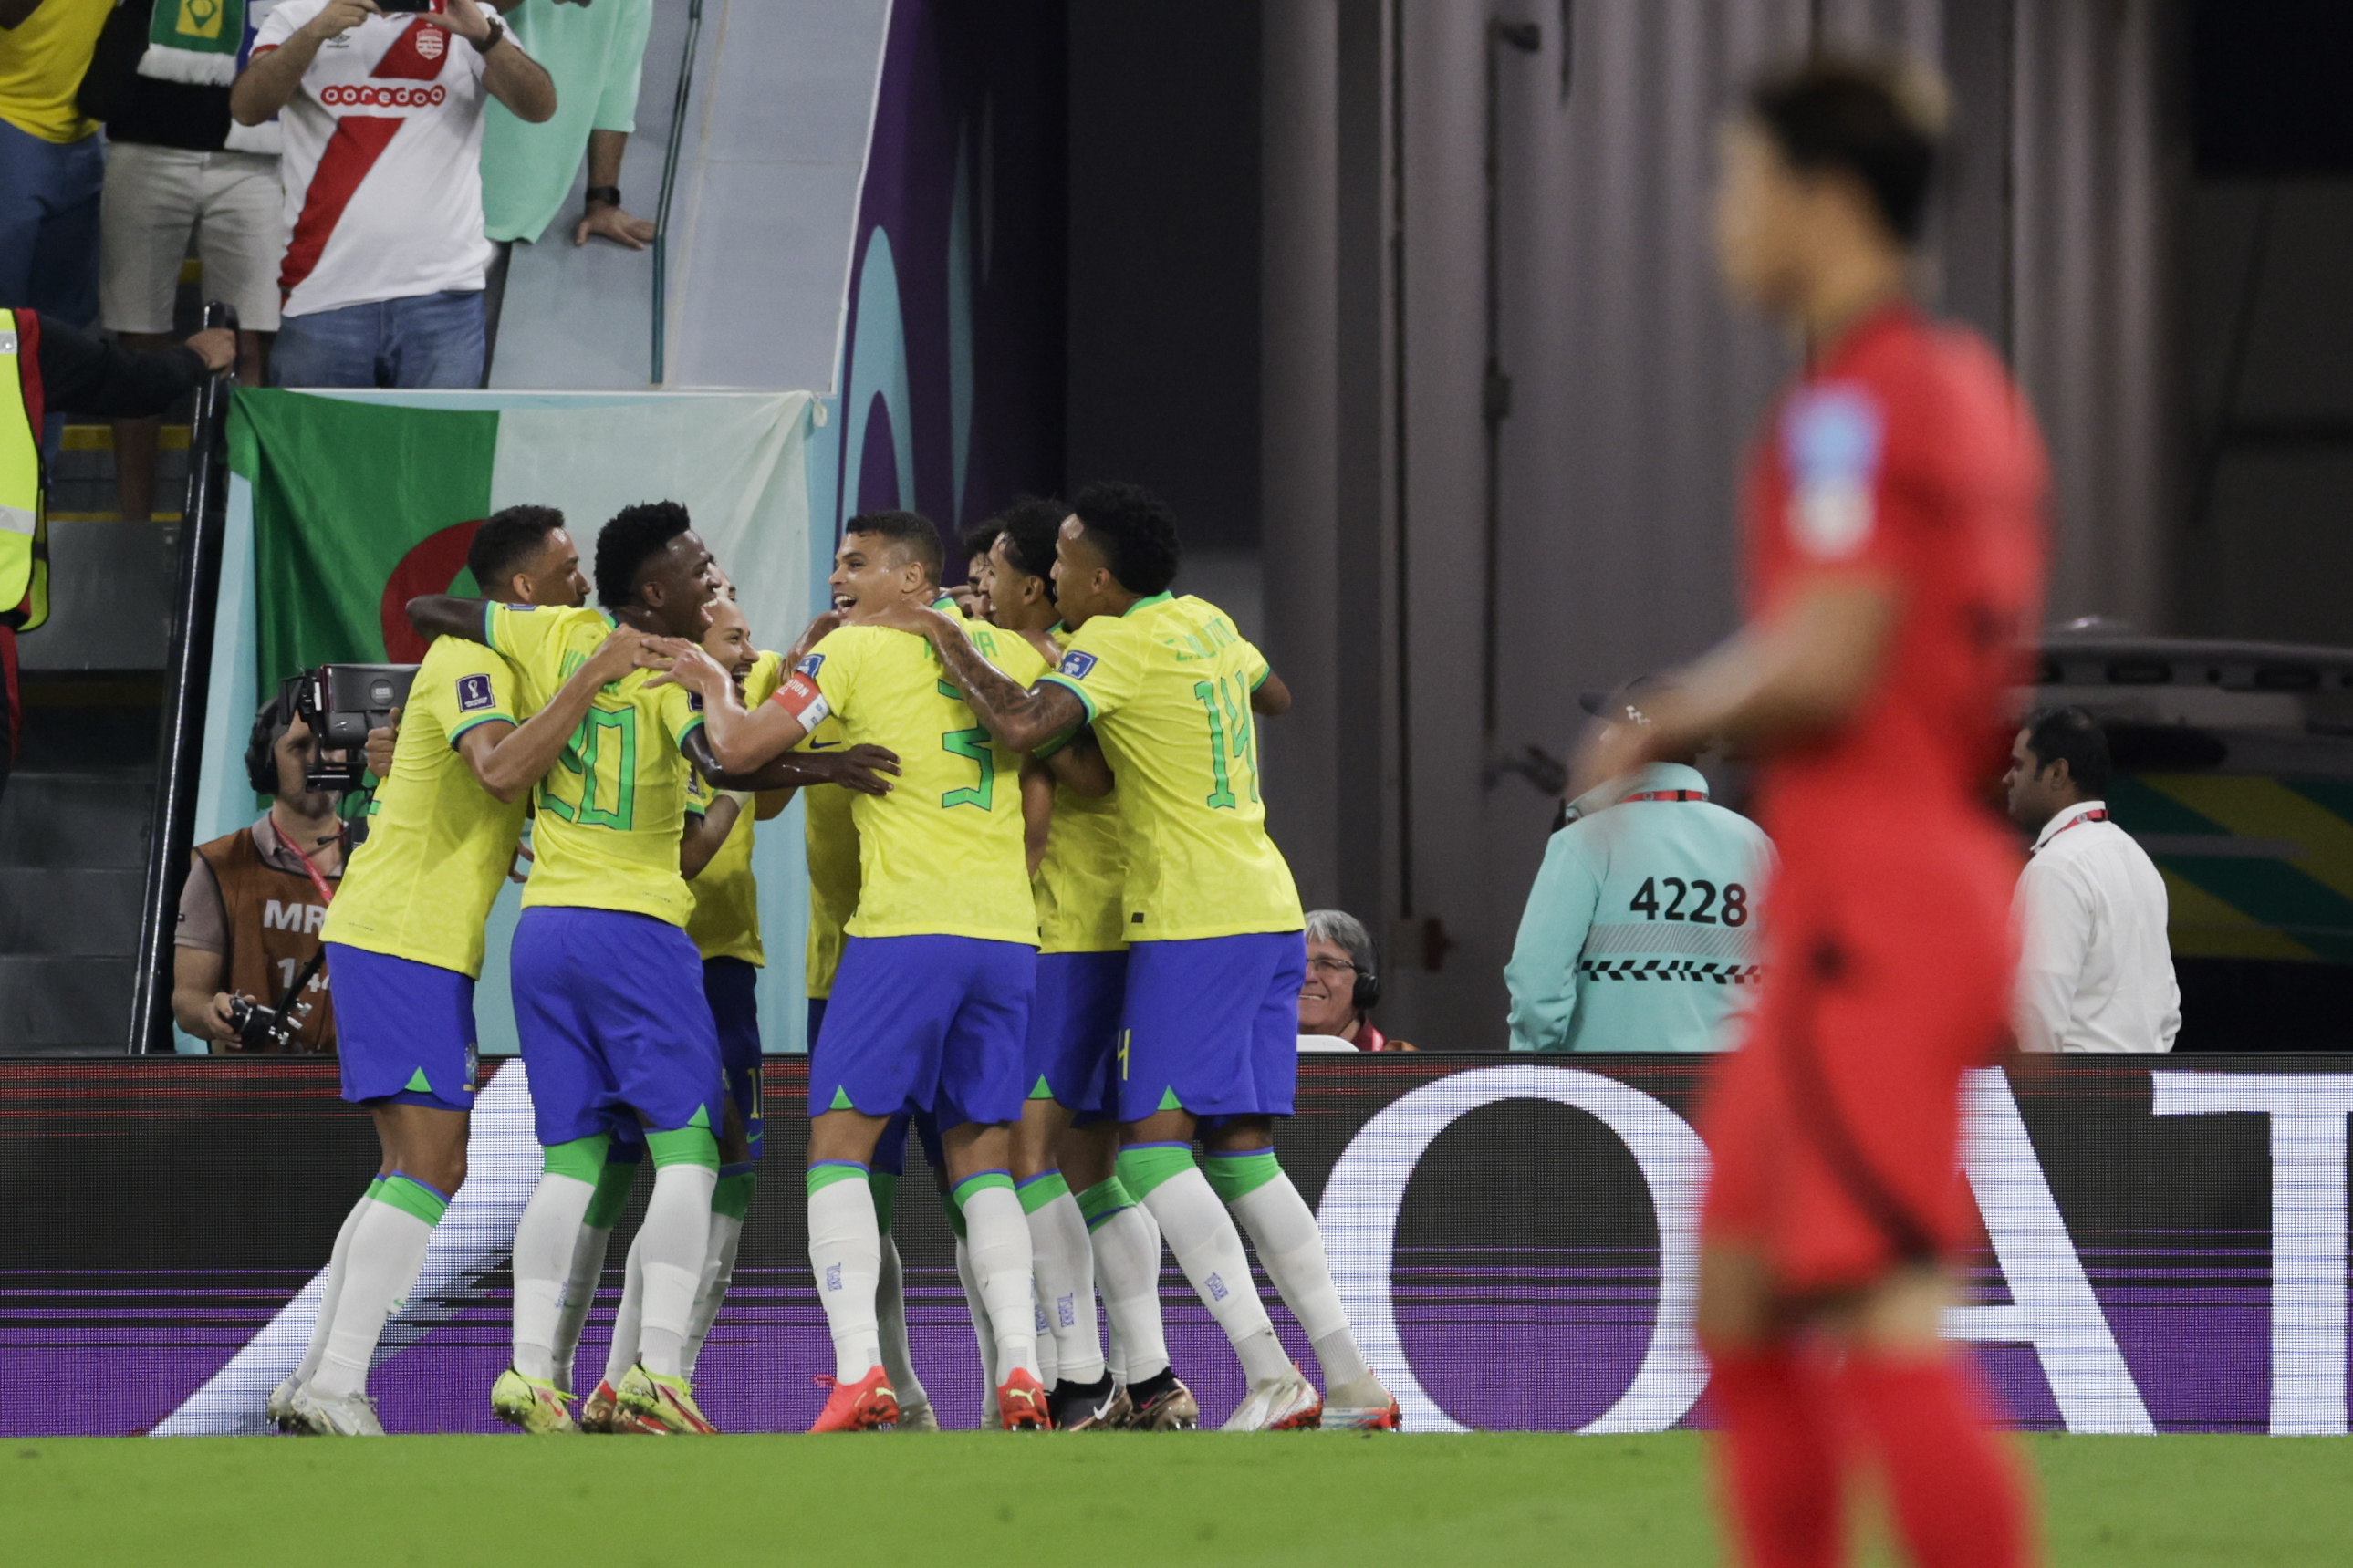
<point x="326" y="892"/>
<point x="1667" y="795"/>
<point x="2100" y="816"/>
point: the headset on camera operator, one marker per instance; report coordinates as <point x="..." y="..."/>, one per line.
<point x="249" y="973"/>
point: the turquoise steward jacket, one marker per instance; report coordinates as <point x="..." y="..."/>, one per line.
<point x="1641" y="933"/>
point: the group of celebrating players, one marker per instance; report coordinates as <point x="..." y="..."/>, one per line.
<point x="1048" y="933"/>
<point x="1069" y="950"/>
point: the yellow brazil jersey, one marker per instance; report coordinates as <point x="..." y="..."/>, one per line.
<point x="942" y="854"/>
<point x="612" y="807"/>
<point x="438" y="844"/>
<point x="42" y="60"/>
<point x="829" y="831"/>
<point x="1079" y="879"/>
<point x="726" y="918"/>
<point x="1168" y="686"/>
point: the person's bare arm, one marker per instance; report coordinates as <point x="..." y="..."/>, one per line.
<point x="1021" y="719"/>
<point x="1081" y="765"/>
<point x="434" y="616"/>
<point x="860" y="768"/>
<point x="705" y="833"/>
<point x="1037" y="810"/>
<point x="508" y="760"/>
<point x="1804" y="669"/>
<point x="269" y="83"/>
<point x="199" y="1005"/>
<point x="508" y="75"/>
<point x="1272" y="698"/>
<point x="603" y="217"/>
<point x="770" y="804"/>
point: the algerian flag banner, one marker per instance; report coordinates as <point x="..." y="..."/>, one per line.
<point x="343" y="507"/>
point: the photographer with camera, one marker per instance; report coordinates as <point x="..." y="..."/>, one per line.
<point x="248" y="945"/>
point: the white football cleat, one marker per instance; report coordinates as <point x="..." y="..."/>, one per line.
<point x="1285" y="1404"/>
<point x="353" y="1416"/>
<point x="281" y="1403"/>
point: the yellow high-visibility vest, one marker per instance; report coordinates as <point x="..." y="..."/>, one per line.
<point x="24" y="521"/>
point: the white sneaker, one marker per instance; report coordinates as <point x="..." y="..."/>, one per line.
<point x="353" y="1416"/>
<point x="1285" y="1404"/>
<point x="917" y="1418"/>
<point x="281" y="1403"/>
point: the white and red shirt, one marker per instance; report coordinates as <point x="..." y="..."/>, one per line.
<point x="382" y="164"/>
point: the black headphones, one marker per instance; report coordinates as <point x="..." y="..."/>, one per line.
<point x="261" y="745"/>
<point x="1367" y="994"/>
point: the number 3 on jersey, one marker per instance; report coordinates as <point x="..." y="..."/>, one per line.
<point x="1230" y="737"/>
<point x="972" y="743"/>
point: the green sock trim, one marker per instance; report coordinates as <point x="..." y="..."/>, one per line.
<point x="1235" y="1176"/>
<point x="733" y="1195"/>
<point x="1144" y="1166"/>
<point x="980" y="1183"/>
<point x="826" y="1173"/>
<point x="1041" y="1190"/>
<point x="1104" y="1199"/>
<point x="886" y="1199"/>
<point x="375" y="1183"/>
<point x="688" y="1145"/>
<point x="955" y="1215"/>
<point x="612" y="1193"/>
<point x="583" y="1159"/>
<point x="412" y="1196"/>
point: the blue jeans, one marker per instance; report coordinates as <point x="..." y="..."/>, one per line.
<point x="428" y="340"/>
<point x="49" y="224"/>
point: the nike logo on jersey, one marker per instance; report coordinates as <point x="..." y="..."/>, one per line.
<point x="824" y="745"/>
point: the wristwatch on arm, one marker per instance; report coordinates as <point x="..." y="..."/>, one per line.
<point x="497" y="34"/>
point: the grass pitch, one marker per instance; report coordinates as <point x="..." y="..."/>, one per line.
<point x="968" y="1500"/>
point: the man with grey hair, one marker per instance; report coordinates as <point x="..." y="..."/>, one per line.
<point x="1639" y="933"/>
<point x="1343" y="984"/>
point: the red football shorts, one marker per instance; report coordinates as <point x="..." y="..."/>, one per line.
<point x="1835" y="1131"/>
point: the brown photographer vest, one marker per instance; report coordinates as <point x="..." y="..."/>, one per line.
<point x="281" y="909"/>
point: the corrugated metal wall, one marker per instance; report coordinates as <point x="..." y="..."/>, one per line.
<point x="1633" y="390"/>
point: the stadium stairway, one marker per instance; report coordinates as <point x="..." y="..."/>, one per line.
<point x="74" y="820"/>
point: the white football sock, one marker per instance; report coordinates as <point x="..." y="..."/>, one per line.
<point x="1041" y="1338"/>
<point x="674" y="1239"/>
<point x="386" y="1254"/>
<point x="1065" y="1267"/>
<point x="891" y="1321"/>
<point x="580" y="1282"/>
<point x="717" y="1274"/>
<point x="983" y="1332"/>
<point x="1210" y="1250"/>
<point x="628" y="1317"/>
<point x="545" y="1240"/>
<point x="846" y="1256"/>
<point x="1127" y="1264"/>
<point x="999" y="1236"/>
<point x="1291" y="1249"/>
<point x="326" y="1321"/>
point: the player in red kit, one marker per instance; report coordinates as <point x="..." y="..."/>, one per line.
<point x="1894" y="556"/>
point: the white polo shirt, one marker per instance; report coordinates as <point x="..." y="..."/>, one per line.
<point x="382" y="164"/>
<point x="2094" y="972"/>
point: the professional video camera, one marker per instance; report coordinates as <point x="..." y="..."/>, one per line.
<point x="341" y="703"/>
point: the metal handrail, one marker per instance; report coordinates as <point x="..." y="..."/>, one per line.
<point x="660" y="355"/>
<point x="171" y="833"/>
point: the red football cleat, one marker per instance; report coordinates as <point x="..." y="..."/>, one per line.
<point x="1021" y="1405"/>
<point x="870" y="1405"/>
